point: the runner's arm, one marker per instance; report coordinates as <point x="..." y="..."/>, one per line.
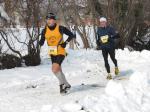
<point x="42" y="40"/>
<point x="67" y="32"/>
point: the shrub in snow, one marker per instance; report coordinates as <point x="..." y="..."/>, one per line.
<point x="32" y="60"/>
<point x="9" y="61"/>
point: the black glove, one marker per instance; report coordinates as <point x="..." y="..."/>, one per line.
<point x="63" y="45"/>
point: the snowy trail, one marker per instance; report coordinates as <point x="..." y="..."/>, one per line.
<point x="46" y="92"/>
<point x="35" y="89"/>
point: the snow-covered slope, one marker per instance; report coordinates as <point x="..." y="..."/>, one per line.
<point x="35" y="89"/>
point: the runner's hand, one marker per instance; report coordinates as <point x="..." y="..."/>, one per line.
<point x="63" y="45"/>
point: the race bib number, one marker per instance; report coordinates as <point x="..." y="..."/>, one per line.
<point x="104" y="39"/>
<point x="53" y="50"/>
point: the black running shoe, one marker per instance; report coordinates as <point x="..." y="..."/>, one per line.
<point x="63" y="88"/>
<point x="67" y="87"/>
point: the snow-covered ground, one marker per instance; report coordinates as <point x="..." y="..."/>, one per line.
<point x="35" y="89"/>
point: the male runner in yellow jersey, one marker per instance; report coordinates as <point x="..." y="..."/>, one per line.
<point x="53" y="34"/>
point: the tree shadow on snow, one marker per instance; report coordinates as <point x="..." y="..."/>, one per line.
<point x="126" y="73"/>
<point x="86" y="87"/>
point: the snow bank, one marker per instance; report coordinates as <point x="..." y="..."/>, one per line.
<point x="134" y="97"/>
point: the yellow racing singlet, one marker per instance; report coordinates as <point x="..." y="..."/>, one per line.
<point x="54" y="38"/>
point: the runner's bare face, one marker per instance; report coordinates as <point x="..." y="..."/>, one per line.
<point x="103" y="24"/>
<point x="51" y="22"/>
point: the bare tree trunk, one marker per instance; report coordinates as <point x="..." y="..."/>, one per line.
<point x="76" y="19"/>
<point x="0" y="47"/>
